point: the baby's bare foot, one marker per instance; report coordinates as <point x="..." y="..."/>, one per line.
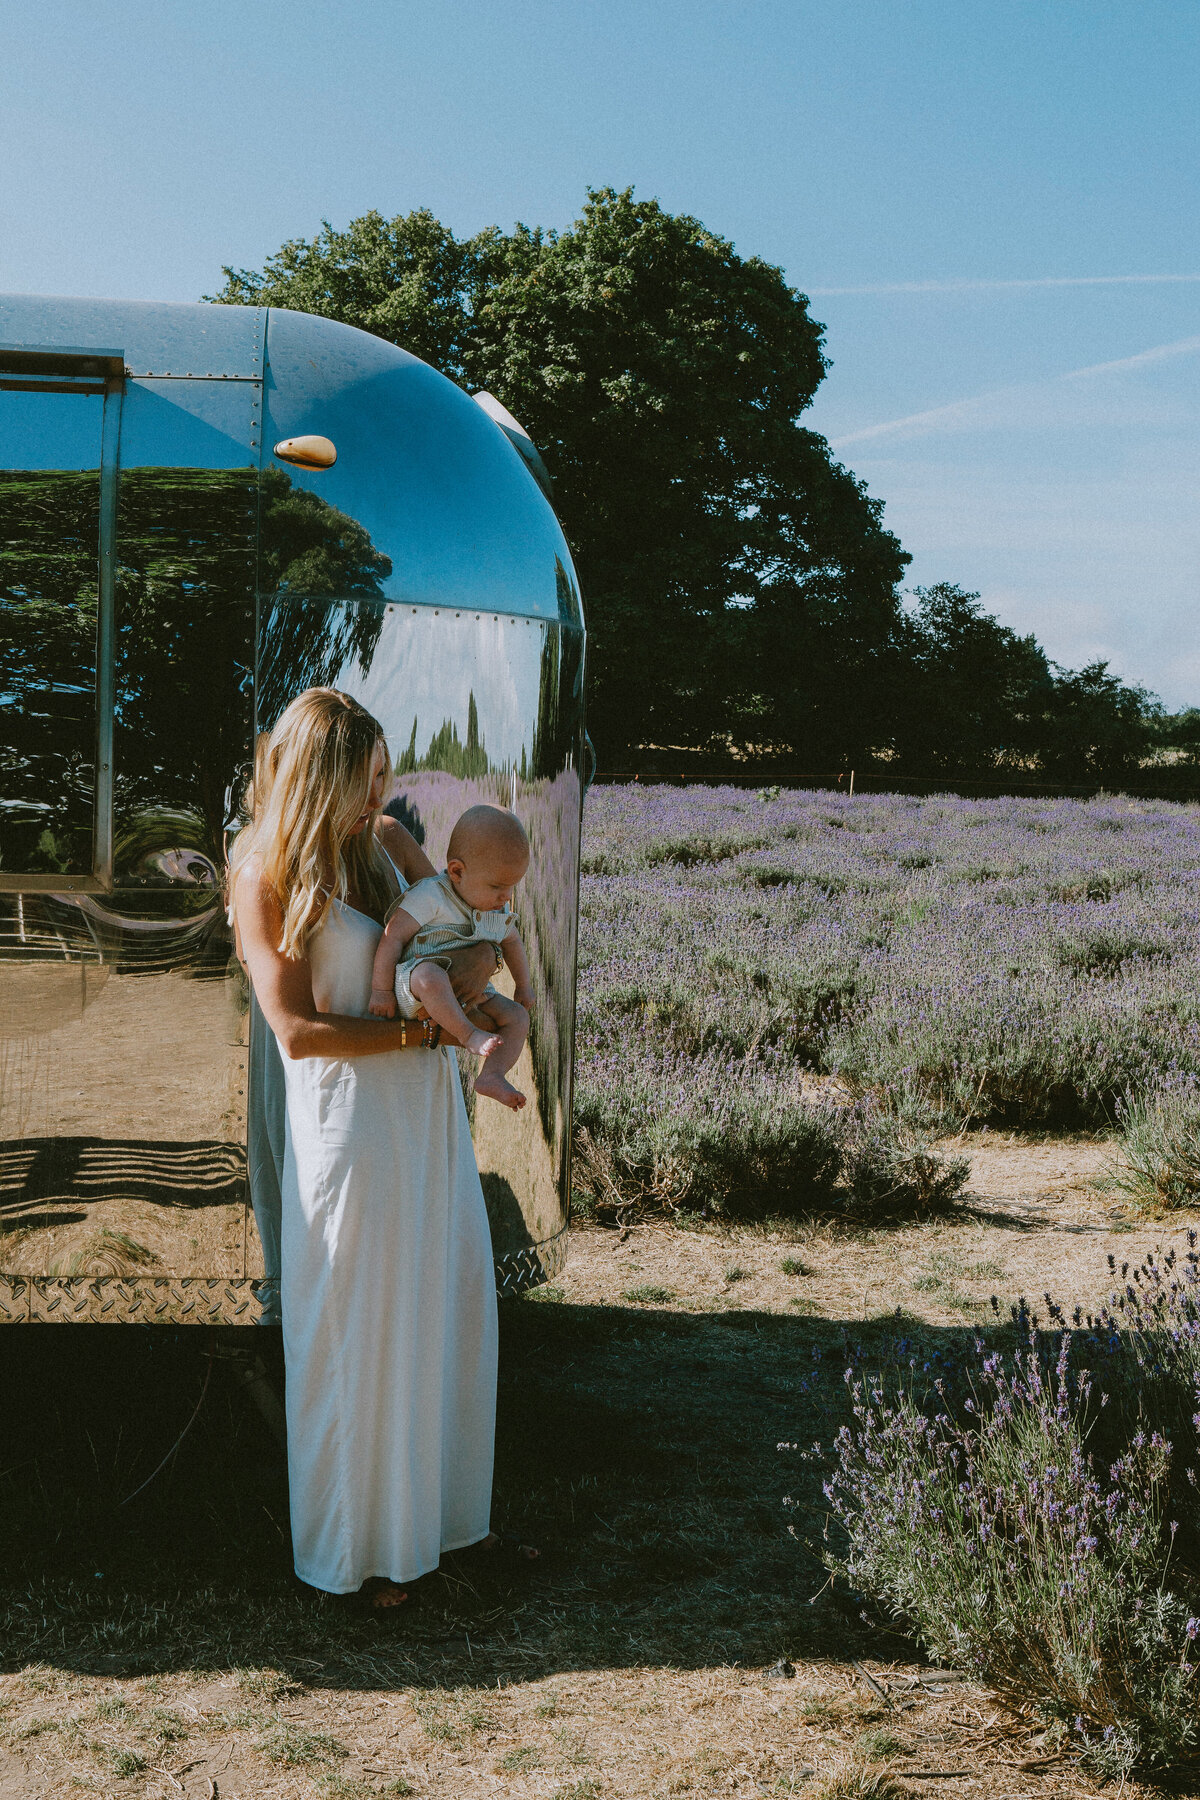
<point x="496" y="1088"/>
<point x="483" y="1043"/>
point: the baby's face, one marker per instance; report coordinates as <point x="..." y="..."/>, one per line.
<point x="486" y="882"/>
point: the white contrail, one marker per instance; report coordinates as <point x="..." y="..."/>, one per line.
<point x="955" y="408"/>
<point x="1159" y="353"/>
<point x="968" y="286"/>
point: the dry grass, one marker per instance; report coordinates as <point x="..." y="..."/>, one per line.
<point x="162" y="1647"/>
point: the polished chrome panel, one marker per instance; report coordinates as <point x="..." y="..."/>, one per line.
<point x="158" y="337"/>
<point x="444" y="498"/>
<point x="476" y="706"/>
<point x="425" y="572"/>
<point x="50" y="514"/>
<point x="122" y="1035"/>
<point x="187" y="533"/>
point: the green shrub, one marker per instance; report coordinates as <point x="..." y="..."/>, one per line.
<point x="734" y="1138"/>
<point x="1159" y="1162"/>
<point x="1032" y="1514"/>
<point x="711" y="1135"/>
<point x="891" y="1171"/>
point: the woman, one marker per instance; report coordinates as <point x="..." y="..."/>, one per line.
<point x="388" y="1296"/>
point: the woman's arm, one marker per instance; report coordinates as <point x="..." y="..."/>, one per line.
<point x="283" y="987"/>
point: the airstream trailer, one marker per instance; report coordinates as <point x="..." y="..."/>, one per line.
<point x="203" y="511"/>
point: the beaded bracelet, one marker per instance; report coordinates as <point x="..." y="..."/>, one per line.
<point x="431" y="1033"/>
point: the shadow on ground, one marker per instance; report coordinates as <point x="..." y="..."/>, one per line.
<point x="639" y="1447"/>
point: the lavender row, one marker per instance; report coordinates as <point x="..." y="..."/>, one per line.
<point x="1025" y="962"/>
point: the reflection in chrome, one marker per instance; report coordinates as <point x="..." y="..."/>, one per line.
<point x="476" y="706"/>
<point x="49" y="560"/>
<point x="420" y="568"/>
<point x="518" y="437"/>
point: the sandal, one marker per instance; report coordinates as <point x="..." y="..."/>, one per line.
<point x="507" y="1547"/>
<point x="370" y="1598"/>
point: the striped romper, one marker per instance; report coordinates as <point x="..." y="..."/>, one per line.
<point x="445" y="922"/>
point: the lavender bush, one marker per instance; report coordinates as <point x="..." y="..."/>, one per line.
<point x="1034" y="1517"/>
<point x="1159" y="1164"/>
<point x="1027" y="963"/>
<point x="708" y="1134"/>
<point x="733" y="1137"/>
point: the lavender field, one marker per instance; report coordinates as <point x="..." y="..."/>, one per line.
<point x="783" y="996"/>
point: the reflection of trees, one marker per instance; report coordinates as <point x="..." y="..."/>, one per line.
<point x="555" y="735"/>
<point x="186" y="547"/>
<point x="49" y="536"/>
<point x="185" y="634"/>
<point x="560" y="703"/>
<point x="447" y="751"/>
<point x="312" y="558"/>
<point x="186" y="550"/>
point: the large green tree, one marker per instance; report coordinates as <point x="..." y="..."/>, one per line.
<point x="663" y="376"/>
<point x="975" y="693"/>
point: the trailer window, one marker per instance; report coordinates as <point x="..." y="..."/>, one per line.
<point x="50" y="455"/>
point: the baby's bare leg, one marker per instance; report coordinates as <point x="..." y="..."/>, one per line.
<point x="430" y="984"/>
<point x="512" y="1023"/>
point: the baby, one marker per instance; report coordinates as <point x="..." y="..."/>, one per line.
<point x="469" y="902"/>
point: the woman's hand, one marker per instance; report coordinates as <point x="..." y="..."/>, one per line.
<point x="471" y="968"/>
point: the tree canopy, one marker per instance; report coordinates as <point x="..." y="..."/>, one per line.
<point x="742" y="590"/>
<point x="662" y="377"/>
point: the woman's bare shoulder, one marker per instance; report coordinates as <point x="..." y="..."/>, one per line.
<point x="252" y="887"/>
<point x="403" y="848"/>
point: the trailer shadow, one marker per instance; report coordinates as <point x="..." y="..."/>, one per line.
<point x="638" y="1447"/>
<point x="62" y="1171"/>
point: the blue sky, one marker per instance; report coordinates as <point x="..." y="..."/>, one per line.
<point x="981" y="197"/>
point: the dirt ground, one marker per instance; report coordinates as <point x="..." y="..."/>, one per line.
<point x="674" y="1640"/>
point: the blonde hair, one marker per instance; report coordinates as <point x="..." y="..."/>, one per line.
<point x="259" y="785"/>
<point x="311" y="781"/>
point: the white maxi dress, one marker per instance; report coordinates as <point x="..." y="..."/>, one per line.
<point x="388" y="1298"/>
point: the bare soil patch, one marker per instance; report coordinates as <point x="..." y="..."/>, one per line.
<point x="676" y="1641"/>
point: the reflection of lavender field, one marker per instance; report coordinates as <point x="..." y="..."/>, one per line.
<point x="1017" y="962"/>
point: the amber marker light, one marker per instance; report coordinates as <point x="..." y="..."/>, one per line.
<point x="307" y="452"/>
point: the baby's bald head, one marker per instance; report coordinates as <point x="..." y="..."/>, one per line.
<point x="488" y="855"/>
<point x="489" y="833"/>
